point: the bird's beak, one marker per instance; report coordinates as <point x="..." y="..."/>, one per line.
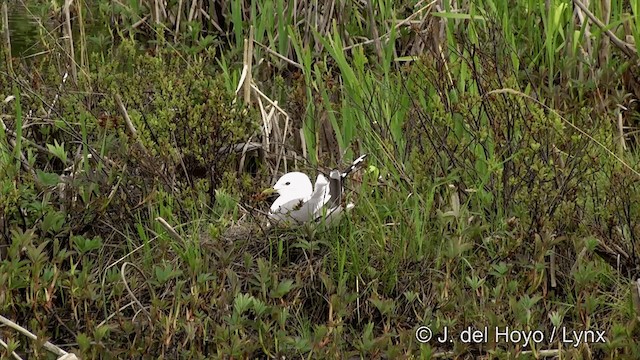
<point x="269" y="191"/>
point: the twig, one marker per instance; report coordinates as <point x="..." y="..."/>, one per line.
<point x="55" y="99"/>
<point x="129" y="125"/>
<point x="170" y="229"/>
<point x="241" y="147"/>
<point x="276" y="54"/>
<point x="552" y="267"/>
<point x="626" y="48"/>
<point x="204" y="13"/>
<point x="126" y="285"/>
<point x="47" y="345"/>
<point x="137" y="23"/>
<point x="130" y="128"/>
<point x="114" y="314"/>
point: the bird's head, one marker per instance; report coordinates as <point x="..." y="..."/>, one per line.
<point x="293" y="184"/>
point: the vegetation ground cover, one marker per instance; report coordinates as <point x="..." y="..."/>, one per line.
<point x="501" y="187"/>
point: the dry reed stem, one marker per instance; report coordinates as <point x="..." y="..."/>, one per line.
<point x="7" y="36"/>
<point x="248" y="63"/>
<point x="178" y="16"/>
<point x="215" y="24"/>
<point x="129" y="124"/>
<point x="623" y="145"/>
<point x="374" y="29"/>
<point x="397" y="26"/>
<point x="587" y="33"/>
<point x="281" y="155"/>
<point x="265" y="124"/>
<point x="84" y="58"/>
<point x="69" y="36"/>
<point x="156" y="15"/>
<point x="636" y="297"/>
<point x="271" y="124"/>
<point x="271" y="102"/>
<point x="137" y="23"/>
<point x="192" y="12"/>
<point x="303" y="143"/>
<point x="629" y="50"/>
<point x="276" y="54"/>
<point x="603" y="55"/>
<point x="123" y="110"/>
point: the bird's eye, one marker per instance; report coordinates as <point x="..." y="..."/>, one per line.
<point x="288" y="183"/>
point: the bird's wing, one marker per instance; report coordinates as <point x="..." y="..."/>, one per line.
<point x="354" y="165"/>
<point x="316" y="202"/>
<point x="303" y="210"/>
<point x="336" y="189"/>
<point x="334" y="205"/>
<point x="282" y="211"/>
<point x="334" y="209"/>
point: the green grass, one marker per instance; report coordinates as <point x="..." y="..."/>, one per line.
<point x="496" y="193"/>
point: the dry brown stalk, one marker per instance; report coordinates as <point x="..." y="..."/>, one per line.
<point x="47" y="345"/>
<point x="7" y="36"/>
<point x="69" y="37"/>
<point x="629" y="50"/>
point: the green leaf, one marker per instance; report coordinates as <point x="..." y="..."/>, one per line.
<point x="282" y="289"/>
<point x="58" y="150"/>
<point x="48" y="179"/>
<point x="242" y="303"/>
<point x="53" y="221"/>
<point x="166" y="272"/>
<point x="84" y="245"/>
<point x="84" y="342"/>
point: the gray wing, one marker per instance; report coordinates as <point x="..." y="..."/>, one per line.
<point x="334" y="208"/>
<point x="335" y="189"/>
